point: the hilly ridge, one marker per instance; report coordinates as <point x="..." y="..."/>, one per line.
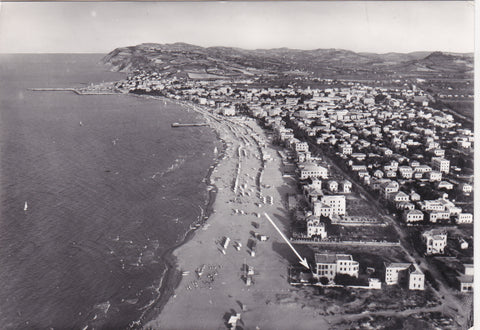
<point x="228" y="61"/>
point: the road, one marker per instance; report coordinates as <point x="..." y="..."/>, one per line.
<point x="446" y="295"/>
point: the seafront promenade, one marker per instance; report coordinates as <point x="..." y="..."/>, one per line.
<point x="214" y="284"/>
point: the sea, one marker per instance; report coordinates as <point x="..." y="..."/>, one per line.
<point x="95" y="190"/>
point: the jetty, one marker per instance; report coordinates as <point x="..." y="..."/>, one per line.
<point x="188" y="125"/>
<point x="79" y="91"/>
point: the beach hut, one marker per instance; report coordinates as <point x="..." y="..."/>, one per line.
<point x="226" y="242"/>
<point x="232" y="321"/>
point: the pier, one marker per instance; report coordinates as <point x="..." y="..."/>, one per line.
<point x="188" y="125"/>
<point x="79" y="91"/>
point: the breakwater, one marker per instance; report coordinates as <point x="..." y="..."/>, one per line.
<point x="75" y="90"/>
<point x="189" y="125"/>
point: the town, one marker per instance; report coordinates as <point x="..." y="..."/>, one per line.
<point x="374" y="167"/>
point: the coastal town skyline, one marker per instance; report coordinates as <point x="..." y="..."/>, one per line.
<point x="99" y="27"/>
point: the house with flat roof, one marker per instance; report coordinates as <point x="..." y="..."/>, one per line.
<point x="329" y="265"/>
<point x="337" y="203"/>
<point x="441" y="164"/>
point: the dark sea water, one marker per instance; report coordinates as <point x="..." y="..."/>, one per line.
<point x="105" y="197"/>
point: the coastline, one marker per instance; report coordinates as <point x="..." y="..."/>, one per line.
<point x="212" y="284"/>
<point x="172" y="276"/>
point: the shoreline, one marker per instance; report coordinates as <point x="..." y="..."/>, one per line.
<point x="172" y="276"/>
<point x="214" y="281"/>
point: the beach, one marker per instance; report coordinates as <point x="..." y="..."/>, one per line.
<point x="216" y="261"/>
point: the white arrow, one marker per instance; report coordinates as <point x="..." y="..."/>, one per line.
<point x="303" y="261"/>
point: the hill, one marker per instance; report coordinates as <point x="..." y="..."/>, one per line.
<point x="196" y="61"/>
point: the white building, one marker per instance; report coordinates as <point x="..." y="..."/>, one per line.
<point x="312" y="171"/>
<point x="337" y="203"/>
<point x="329" y="265"/>
<point x="396" y="271"/>
<point x="230" y="111"/>
<point x="315" y="227"/>
<point x="465" y="218"/>
<point x="333" y="186"/>
<point x="413" y="216"/>
<point x="416" y="280"/>
<point x="347" y="186"/>
<point x="301" y="146"/>
<point x="346" y="149"/>
<point x="435" y="241"/>
<point x="434" y="176"/>
<point x="466" y="280"/>
<point x="441" y="164"/>
<point x="321" y="209"/>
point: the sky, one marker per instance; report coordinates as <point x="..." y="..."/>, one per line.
<point x="366" y="26"/>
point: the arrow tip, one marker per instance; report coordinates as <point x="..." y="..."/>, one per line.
<point x="304" y="263"/>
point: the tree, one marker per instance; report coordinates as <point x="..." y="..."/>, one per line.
<point x="324" y="280"/>
<point x="345" y="279"/>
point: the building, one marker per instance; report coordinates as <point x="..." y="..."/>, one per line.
<point x="464" y="218"/>
<point x="230" y="111"/>
<point x="416" y="280"/>
<point x="435" y="241"/>
<point x="423" y="169"/>
<point x="413" y="216"/>
<point x="312" y="171"/>
<point x="441" y="164"/>
<point x="445" y="185"/>
<point x="337" y="203"/>
<point x="392" y="271"/>
<point x="301" y="147"/>
<point x="333" y="186"/>
<point x="466" y="188"/>
<point x="432" y="205"/>
<point x="406" y="172"/>
<point x="329" y="265"/>
<point x="322" y="209"/>
<point x="374" y="283"/>
<point x="347" y="186"/>
<point x="389" y="187"/>
<point x="466" y="280"/>
<point x="315" y="228"/>
<point x="396" y="273"/>
<point x="434" y="176"/>
<point x="346" y="149"/>
<point x="434" y="216"/>
<point x="465" y="283"/>
<point x="399" y="196"/>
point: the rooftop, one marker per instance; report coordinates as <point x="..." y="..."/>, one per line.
<point x="331" y="258"/>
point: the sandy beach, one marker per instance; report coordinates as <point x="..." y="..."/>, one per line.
<point x="213" y="285"/>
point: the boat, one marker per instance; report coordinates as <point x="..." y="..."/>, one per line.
<point x="81" y="124"/>
<point x="25" y="207"/>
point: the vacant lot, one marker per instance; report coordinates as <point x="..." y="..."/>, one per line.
<point x="362" y="233"/>
<point x="357" y="206"/>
